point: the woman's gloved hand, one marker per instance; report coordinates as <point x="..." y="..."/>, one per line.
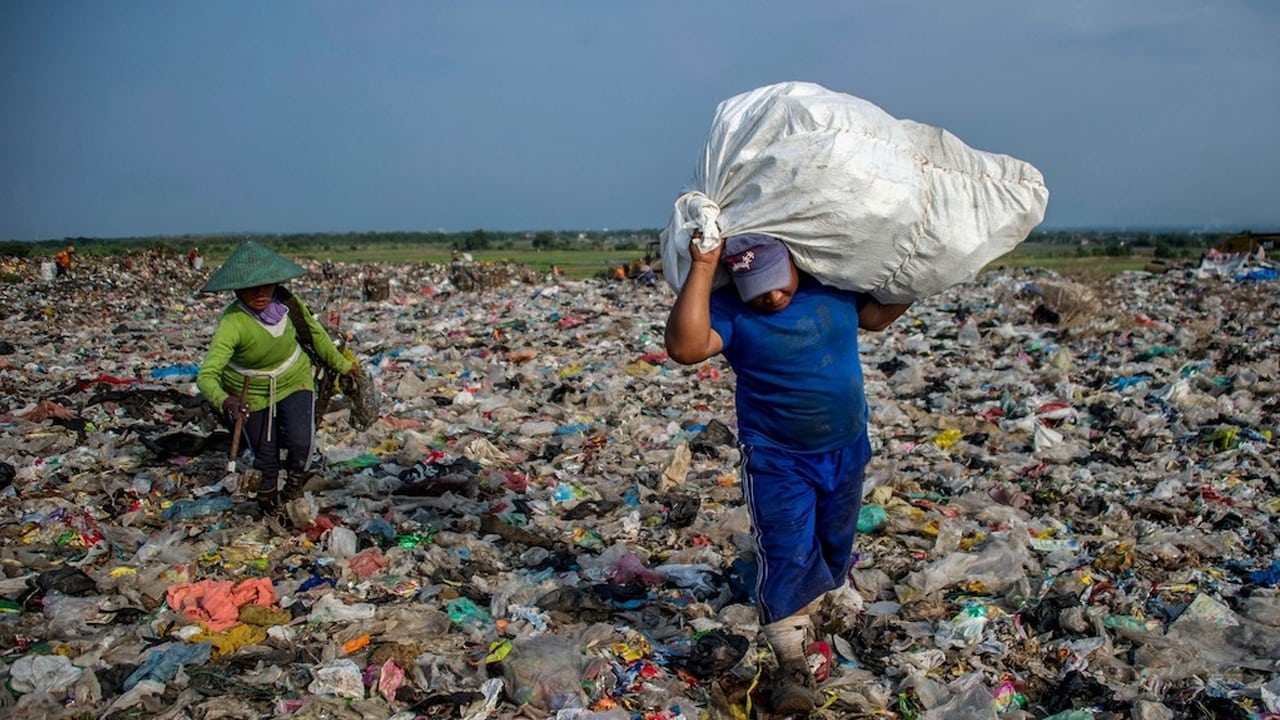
<point x="235" y="408"/>
<point x="355" y="371"/>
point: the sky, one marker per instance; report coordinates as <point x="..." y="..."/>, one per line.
<point x="148" y="118"/>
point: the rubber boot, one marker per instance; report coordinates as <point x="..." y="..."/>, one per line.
<point x="795" y="691"/>
<point x="294" y="482"/>
<point x="268" y="500"/>
<point x="269" y="497"/>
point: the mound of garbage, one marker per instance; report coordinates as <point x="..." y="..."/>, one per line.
<point x="1072" y="510"/>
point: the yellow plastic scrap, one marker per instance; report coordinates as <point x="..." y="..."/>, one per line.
<point x="121" y="571"/>
<point x="240" y="554"/>
<point x="231" y="639"/>
<point x="1061" y="359"/>
<point x="880" y="495"/>
<point x="633" y="649"/>
<point x="1115" y="560"/>
<point x="947" y="438"/>
<point x="263" y="616"/>
<point x="743" y="712"/>
<point x="969" y="542"/>
<point x="897" y="507"/>
<point x="498" y="651"/>
<point x="640" y="368"/>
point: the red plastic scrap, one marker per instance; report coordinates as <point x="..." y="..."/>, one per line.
<point x="707" y="372"/>
<point x="109" y="379"/>
<point x="568" y="322"/>
<point x="1209" y="494"/>
<point x="1032" y="471"/>
<point x="322" y="524"/>
<point x="516" y="482"/>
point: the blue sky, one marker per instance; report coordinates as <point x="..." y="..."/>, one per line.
<point x="154" y="118"/>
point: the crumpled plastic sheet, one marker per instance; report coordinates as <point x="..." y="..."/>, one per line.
<point x="1071" y="508"/>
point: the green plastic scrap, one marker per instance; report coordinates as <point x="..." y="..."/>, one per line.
<point x="871" y="518"/>
<point x="363" y="460"/>
<point x="588" y="538"/>
<point x="908" y="706"/>
<point x="413" y="540"/>
<point x="1129" y="622"/>
<point x="462" y="612"/>
<point x="1224" y="437"/>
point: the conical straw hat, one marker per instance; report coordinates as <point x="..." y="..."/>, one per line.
<point x="252" y="265"/>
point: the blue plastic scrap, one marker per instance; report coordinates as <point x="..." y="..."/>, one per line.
<point x="164" y="662"/>
<point x="1268" y="577"/>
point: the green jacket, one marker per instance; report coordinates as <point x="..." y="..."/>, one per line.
<point x="243" y="341"/>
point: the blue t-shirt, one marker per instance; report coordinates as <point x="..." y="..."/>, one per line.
<point x="799" y="375"/>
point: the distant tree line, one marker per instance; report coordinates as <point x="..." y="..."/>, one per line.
<point x="478" y="239"/>
<point x="1122" y="243"/>
<point x="1081" y="242"/>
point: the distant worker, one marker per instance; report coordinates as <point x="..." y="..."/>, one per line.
<point x="258" y="369"/>
<point x="618" y="274"/>
<point x="194" y="260"/>
<point x="63" y="260"/>
<point x="646" y="275"/>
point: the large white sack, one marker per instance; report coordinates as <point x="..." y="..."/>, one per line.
<point x="864" y="201"/>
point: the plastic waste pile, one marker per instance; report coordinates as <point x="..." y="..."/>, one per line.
<point x="1071" y="514"/>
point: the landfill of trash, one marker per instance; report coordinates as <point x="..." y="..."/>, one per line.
<point x="1071" y="512"/>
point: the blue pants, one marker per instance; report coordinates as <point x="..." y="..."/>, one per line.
<point x="292" y="433"/>
<point x="804" y="517"/>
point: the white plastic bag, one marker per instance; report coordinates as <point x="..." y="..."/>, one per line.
<point x="863" y="200"/>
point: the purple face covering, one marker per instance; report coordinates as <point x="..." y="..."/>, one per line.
<point x="271" y="314"/>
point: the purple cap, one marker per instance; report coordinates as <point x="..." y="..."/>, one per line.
<point x="757" y="263"/>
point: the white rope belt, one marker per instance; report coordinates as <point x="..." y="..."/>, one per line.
<point x="271" y="382"/>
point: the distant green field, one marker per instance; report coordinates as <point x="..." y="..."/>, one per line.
<point x="584" y="263"/>
<point x="1069" y="262"/>
<point x="576" y="264"/>
<point x="581" y="263"/>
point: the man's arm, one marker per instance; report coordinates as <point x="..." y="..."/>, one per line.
<point x="689" y="337"/>
<point x="877" y="316"/>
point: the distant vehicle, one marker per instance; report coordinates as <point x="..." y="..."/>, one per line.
<point x="1249" y="243"/>
<point x="652" y="258"/>
<point x="635" y="268"/>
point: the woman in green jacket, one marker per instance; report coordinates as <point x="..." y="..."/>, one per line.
<point x="259" y="366"/>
